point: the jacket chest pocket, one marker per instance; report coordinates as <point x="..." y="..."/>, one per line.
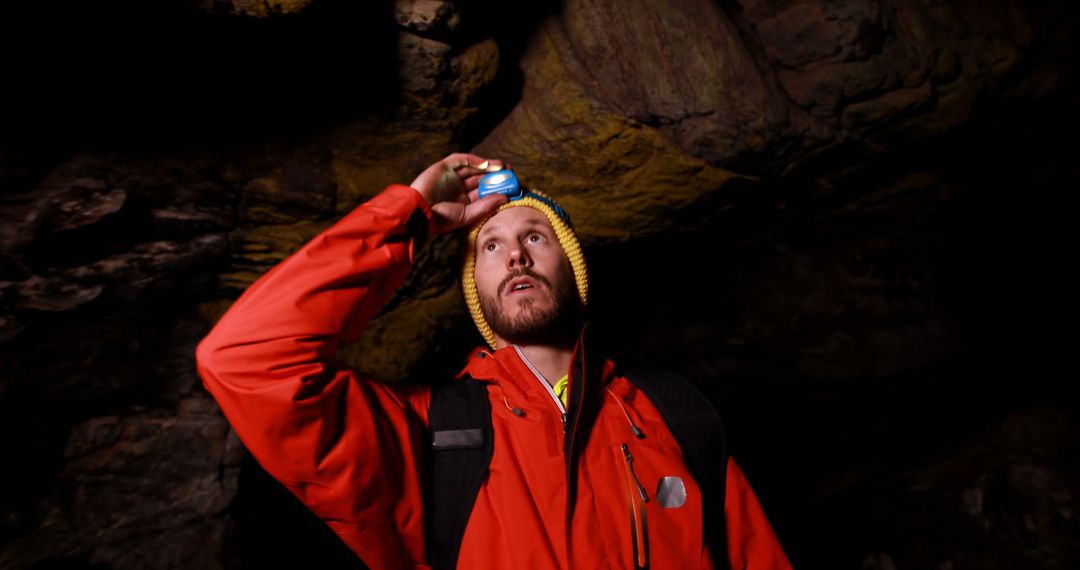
<point x="660" y="505"/>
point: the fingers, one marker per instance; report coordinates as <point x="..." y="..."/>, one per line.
<point x="480" y="208"/>
<point x="473" y="182"/>
<point x="455" y="177"/>
<point x="472" y="168"/>
<point x="467" y="164"/>
<point x="465" y="159"/>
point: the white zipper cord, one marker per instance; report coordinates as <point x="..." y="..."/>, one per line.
<point x="540" y="378"/>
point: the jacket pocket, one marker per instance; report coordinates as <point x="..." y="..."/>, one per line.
<point x="639" y="524"/>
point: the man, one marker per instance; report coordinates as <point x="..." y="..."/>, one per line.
<point x="610" y="491"/>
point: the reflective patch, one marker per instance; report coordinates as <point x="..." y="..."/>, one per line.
<point x="670" y="492"/>
<point x="446" y="439"/>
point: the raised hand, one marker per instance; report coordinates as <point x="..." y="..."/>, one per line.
<point x="450" y="188"/>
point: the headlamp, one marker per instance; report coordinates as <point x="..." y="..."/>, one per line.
<point x="506" y="182"/>
<point x="501" y="182"/>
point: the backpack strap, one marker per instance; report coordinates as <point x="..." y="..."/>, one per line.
<point x="459" y="456"/>
<point x="696" y="425"/>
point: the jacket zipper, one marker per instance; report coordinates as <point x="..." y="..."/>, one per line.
<point x="639" y="529"/>
<point x="547" y="386"/>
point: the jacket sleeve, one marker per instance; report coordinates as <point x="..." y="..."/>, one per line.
<point x="344" y="443"/>
<point x="752" y="544"/>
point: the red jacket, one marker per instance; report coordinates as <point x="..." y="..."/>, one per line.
<point x="350" y="446"/>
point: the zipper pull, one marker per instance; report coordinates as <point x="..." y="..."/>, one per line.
<point x="564" y="424"/>
<point x="630" y="462"/>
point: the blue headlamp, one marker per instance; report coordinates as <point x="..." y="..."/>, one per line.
<point x="501" y="182"/>
<point x="506" y="182"/>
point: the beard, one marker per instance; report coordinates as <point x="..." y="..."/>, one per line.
<point x="557" y="324"/>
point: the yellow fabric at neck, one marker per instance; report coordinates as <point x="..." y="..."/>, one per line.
<point x="560" y="388"/>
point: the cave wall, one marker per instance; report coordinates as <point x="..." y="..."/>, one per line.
<point x="843" y="220"/>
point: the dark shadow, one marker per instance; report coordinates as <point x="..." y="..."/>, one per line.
<point x="135" y="75"/>
<point x="990" y="231"/>
<point x="275" y="530"/>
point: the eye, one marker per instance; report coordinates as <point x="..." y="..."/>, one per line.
<point x="534" y="237"/>
<point x="489" y="246"/>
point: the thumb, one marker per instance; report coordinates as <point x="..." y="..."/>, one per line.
<point x="476" y="211"/>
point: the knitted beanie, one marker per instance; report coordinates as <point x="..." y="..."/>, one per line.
<point x="560" y="222"/>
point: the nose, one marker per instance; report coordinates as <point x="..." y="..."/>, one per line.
<point x="518" y="256"/>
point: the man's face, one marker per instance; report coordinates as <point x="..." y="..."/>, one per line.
<point x="526" y="285"/>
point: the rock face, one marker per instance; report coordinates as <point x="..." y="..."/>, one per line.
<point x="839" y="218"/>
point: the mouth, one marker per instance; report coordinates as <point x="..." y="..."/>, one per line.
<point x="521" y="286"/>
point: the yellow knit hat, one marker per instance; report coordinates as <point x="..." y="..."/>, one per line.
<point x="560" y="222"/>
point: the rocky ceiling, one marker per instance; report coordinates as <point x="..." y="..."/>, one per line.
<point x="845" y="220"/>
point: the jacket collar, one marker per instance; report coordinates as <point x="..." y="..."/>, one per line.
<point x="505" y="365"/>
<point x="590" y="370"/>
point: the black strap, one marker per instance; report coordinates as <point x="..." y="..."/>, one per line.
<point x="696" y="425"/>
<point x="460" y="453"/>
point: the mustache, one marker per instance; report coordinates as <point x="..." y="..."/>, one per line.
<point x="523" y="273"/>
